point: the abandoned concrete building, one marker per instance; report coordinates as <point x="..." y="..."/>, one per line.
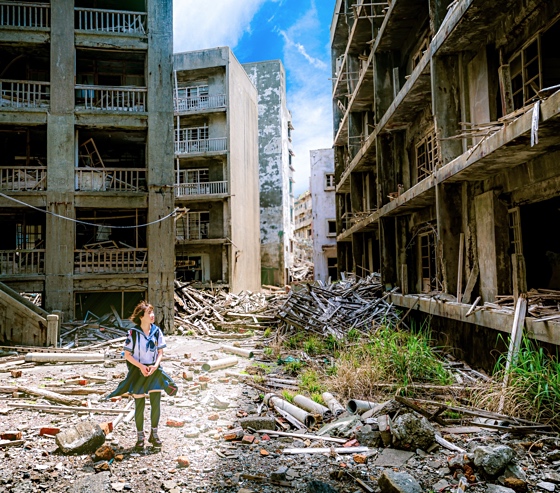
<point x="86" y="121"/>
<point x="321" y="184"/>
<point x="217" y="171"/>
<point x="446" y="117"/>
<point x="275" y="171"/>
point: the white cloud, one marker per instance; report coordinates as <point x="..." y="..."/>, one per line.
<point x="301" y="49"/>
<point x="198" y="25"/>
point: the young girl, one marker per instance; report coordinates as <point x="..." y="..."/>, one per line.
<point x="143" y="351"/>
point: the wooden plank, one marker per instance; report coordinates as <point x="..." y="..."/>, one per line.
<point x="470" y="284"/>
<point x="473" y="306"/>
<point x="460" y="267"/>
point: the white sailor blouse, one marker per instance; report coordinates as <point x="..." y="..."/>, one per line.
<point x="145" y="349"/>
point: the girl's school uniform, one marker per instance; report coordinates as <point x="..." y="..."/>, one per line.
<point x="145" y="350"/>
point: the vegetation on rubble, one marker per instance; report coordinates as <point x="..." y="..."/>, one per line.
<point x="534" y="386"/>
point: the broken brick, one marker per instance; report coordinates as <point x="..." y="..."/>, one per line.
<point x="203" y="378"/>
<point x="105" y="452"/>
<point x="16" y="373"/>
<point x="107" y="427"/>
<point x="360" y="458"/>
<point x="264" y="452"/>
<point x="214" y="417"/>
<point x="351" y="443"/>
<point x="183" y="461"/>
<point x="49" y="430"/>
<point x="175" y="424"/>
<point x="115" y="399"/>
<point x="10" y="435"/>
<point x="248" y="439"/>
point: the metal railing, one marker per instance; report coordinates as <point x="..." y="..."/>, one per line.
<point x="111" y="21"/>
<point x="18" y="178"/>
<point x="203" y="145"/>
<point x="22" y="262"/>
<point x="23" y="14"/>
<point x="111" y="179"/>
<point x="195" y="103"/>
<point x="24" y="94"/>
<point x="208" y="188"/>
<point x="111" y="260"/>
<point x="111" y="98"/>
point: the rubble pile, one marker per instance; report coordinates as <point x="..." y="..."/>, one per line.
<point x="543" y="304"/>
<point x="212" y="314"/>
<point x="336" y="308"/>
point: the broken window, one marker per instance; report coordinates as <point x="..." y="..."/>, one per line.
<point x="329" y="181"/>
<point x="193" y="226"/>
<point x="516" y="241"/>
<point x="29" y="236"/>
<point x="426" y="155"/>
<point x="331" y="227"/>
<point x="420" y="52"/>
<point x="197" y="133"/>
<point x="427" y="261"/>
<point x="526" y="73"/>
<point x="189" y="268"/>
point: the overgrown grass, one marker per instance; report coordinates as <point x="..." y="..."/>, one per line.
<point x="391" y="356"/>
<point x="310" y="381"/>
<point x="533" y="391"/>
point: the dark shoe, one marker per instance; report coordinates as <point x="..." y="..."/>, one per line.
<point x="155" y="441"/>
<point x="139" y="445"/>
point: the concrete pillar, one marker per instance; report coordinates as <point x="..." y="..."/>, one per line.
<point x="405" y="268"/>
<point x="382" y="82"/>
<point x="446" y="104"/>
<point x="353" y="67"/>
<point x="60" y="233"/>
<point x="438" y="11"/>
<point x="356" y="191"/>
<point x="386" y="169"/>
<point x="492" y="244"/>
<point x="388" y="252"/>
<point x="449" y="227"/>
<point x="159" y="162"/>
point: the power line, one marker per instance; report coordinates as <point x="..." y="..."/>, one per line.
<point x="175" y="211"/>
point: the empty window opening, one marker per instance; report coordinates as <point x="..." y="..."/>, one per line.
<point x="331" y="227"/>
<point x="332" y="267"/>
<point x="541" y="248"/>
<point x="426" y="155"/>
<point x="192" y="267"/>
<point x="428" y="275"/>
<point x="94" y="305"/>
<point x="329" y="181"/>
<point x="193" y="226"/>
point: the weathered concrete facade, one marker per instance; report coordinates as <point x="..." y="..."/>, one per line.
<point x="217" y="177"/>
<point x="86" y="120"/>
<point x="275" y="170"/>
<point x="324" y="214"/>
<point x="438" y="184"/>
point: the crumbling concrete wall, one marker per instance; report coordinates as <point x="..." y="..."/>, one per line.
<point x="276" y="201"/>
<point x="322" y="199"/>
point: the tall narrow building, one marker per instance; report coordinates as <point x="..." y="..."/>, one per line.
<point x="86" y="158"/>
<point x="216" y="175"/>
<point x="275" y="171"/>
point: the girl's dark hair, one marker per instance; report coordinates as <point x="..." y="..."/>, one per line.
<point x="140" y="310"/>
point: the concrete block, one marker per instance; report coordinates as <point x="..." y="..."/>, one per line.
<point x="85" y="437"/>
<point x="258" y="423"/>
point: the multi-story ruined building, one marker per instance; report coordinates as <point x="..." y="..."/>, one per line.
<point x="86" y="119"/>
<point x="323" y="210"/>
<point x="217" y="177"/>
<point x="303" y="222"/>
<point x="444" y="182"/>
<point x="275" y="171"/>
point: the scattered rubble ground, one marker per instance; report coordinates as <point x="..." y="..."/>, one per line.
<point x="218" y="434"/>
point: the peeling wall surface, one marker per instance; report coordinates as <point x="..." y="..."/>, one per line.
<point x="323" y="206"/>
<point x="276" y="200"/>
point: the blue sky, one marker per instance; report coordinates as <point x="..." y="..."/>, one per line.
<point x="294" y="31"/>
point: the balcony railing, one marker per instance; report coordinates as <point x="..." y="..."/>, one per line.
<point x="24" y="94"/>
<point x="203" y="145"/>
<point x="111" y="21"/>
<point x="208" y="188"/>
<point x="111" y="261"/>
<point x="23" y="14"/>
<point x="111" y="179"/>
<point x="20" y="178"/>
<point x="196" y="103"/>
<point x="118" y="98"/>
<point x="14" y="262"/>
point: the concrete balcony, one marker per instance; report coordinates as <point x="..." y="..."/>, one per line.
<point x="110" y="21"/>
<point x="111" y="98"/>
<point x="201" y="146"/>
<point x="22" y="262"/>
<point x="24" y="94"/>
<point x="197" y="189"/>
<point x="111" y="179"/>
<point x="111" y="261"/>
<point x="188" y="104"/>
<point x="25" y="15"/>
<point x="23" y="178"/>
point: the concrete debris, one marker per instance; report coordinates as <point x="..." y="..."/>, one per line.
<point x="85" y="437"/>
<point x="493" y="460"/>
<point x="411" y="432"/>
<point x="398" y="482"/>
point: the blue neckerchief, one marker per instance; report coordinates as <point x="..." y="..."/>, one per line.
<point x="151" y="339"/>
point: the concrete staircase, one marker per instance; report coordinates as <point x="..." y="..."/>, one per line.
<point x="24" y="324"/>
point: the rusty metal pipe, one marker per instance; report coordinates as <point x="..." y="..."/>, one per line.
<point x="334" y="406"/>
<point x="217" y="364"/>
<point x="298" y="413"/>
<point x="355" y="406"/>
<point x="312" y="406"/>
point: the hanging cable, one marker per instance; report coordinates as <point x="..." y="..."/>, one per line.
<point x="175" y="211"/>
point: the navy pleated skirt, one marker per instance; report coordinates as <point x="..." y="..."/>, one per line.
<point x="137" y="384"/>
